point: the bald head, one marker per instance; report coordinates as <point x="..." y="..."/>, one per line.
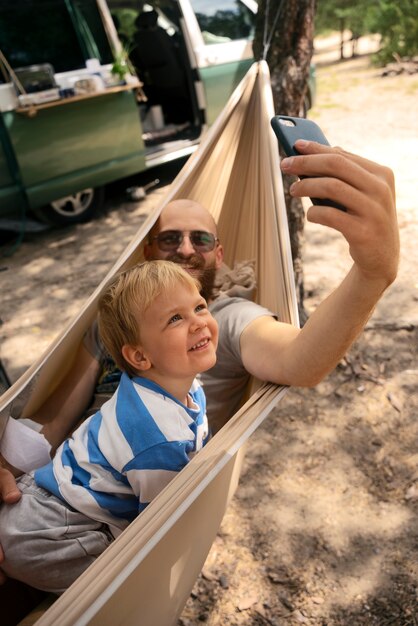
<point x="184" y="214"/>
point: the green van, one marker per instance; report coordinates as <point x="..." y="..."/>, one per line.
<point x="94" y="91"/>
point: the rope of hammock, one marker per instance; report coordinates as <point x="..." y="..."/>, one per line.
<point x="267" y="39"/>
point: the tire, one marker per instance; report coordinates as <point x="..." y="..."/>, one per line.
<point x="73" y="209"/>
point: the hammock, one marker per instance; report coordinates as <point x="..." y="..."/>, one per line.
<point x="146" y="575"/>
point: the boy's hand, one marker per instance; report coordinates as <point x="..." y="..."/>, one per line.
<point x="366" y="189"/>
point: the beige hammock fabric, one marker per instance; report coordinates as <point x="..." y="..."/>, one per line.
<point x="146" y="575"/>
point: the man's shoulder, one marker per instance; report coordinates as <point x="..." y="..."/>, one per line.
<point x="230" y="304"/>
<point x="235" y="314"/>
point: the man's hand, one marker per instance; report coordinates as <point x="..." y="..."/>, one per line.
<point x="9" y="493"/>
<point x="3" y="576"/>
<point x="287" y="355"/>
<point x="367" y="190"/>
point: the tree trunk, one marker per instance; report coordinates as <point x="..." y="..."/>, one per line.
<point x="342" y="31"/>
<point x="289" y="58"/>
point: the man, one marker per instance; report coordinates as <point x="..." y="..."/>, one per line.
<point x="262" y="346"/>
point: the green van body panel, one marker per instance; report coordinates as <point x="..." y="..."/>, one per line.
<point x="5" y="175"/>
<point x="12" y="196"/>
<point x="11" y="200"/>
<point x="85" y="143"/>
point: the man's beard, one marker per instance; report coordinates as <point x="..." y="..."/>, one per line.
<point x="206" y="275"/>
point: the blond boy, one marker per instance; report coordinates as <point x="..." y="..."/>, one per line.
<point x="158" y="329"/>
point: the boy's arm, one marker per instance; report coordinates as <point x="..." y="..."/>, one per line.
<point x="291" y="356"/>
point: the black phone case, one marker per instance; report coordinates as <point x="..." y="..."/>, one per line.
<point x="288" y="130"/>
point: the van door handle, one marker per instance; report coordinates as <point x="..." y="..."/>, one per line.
<point x="211" y="60"/>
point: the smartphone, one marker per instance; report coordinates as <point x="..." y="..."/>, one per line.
<point x="288" y="130"/>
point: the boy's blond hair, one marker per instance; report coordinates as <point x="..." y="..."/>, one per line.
<point x="126" y="298"/>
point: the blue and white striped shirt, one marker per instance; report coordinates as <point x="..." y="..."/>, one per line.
<point x="121" y="457"/>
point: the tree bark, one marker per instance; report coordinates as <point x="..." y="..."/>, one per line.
<point x="288" y="57"/>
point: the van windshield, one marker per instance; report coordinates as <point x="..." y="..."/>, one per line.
<point x="224" y="20"/>
<point x="63" y="33"/>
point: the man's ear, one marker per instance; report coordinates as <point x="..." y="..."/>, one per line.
<point x="135" y="356"/>
<point x="219" y="256"/>
<point x="149" y="249"/>
<point x="148" y="252"/>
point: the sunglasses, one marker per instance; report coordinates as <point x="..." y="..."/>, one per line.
<point x="170" y="240"/>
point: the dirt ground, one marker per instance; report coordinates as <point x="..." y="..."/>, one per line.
<point x="323" y="527"/>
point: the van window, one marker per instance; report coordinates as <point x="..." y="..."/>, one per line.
<point x="223" y="20"/>
<point x="58" y="32"/>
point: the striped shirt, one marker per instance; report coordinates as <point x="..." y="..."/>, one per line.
<point x="121" y="457"/>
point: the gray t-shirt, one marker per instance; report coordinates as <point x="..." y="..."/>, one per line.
<point x="226" y="382"/>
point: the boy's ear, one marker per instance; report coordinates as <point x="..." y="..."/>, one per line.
<point x="136" y="357"/>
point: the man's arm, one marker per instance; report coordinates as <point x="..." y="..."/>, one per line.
<point x="287" y="355"/>
<point x="9" y="492"/>
<point x="65" y="407"/>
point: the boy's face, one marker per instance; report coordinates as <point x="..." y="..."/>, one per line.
<point x="178" y="336"/>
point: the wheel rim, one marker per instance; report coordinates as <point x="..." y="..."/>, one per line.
<point x="75" y="204"/>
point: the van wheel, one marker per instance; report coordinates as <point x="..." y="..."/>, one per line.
<point x="73" y="209"/>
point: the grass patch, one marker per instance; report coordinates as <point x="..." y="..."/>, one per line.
<point x="316" y="111"/>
